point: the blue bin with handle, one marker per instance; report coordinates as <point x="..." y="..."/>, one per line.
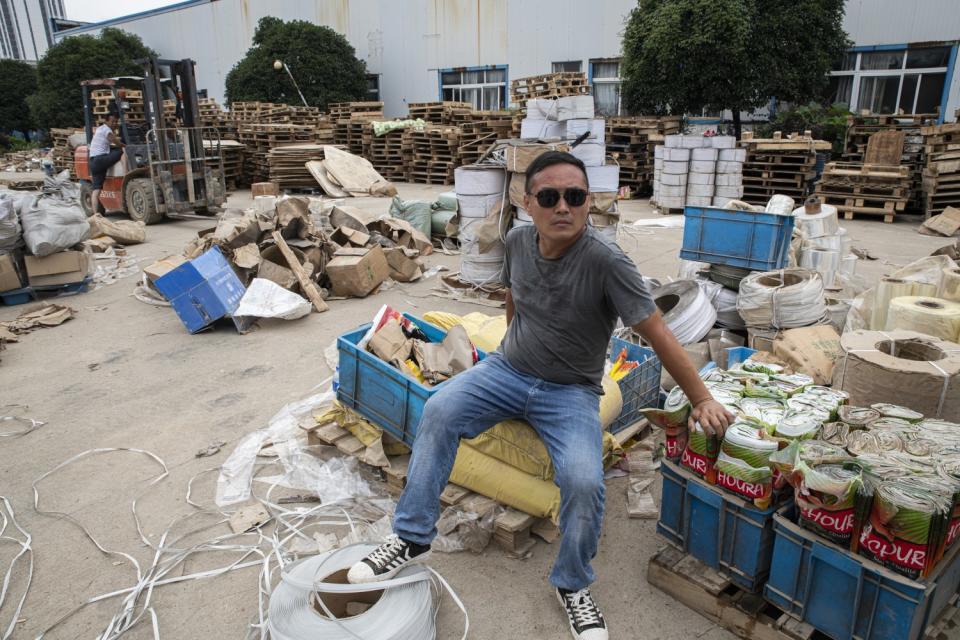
<point x="749" y="240"/>
<point x="847" y="596"/>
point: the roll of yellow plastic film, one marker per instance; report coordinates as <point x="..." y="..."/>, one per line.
<point x="933" y="316"/>
<point x="950" y="285"/>
<point x="890" y="288"/>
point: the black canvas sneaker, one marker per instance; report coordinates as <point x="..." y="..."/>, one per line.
<point x="386" y="560"/>
<point x="586" y="621"/>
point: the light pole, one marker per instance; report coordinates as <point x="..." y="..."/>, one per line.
<point x="278" y="65"/>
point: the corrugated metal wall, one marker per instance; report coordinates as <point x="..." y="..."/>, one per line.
<point x="405" y="42"/>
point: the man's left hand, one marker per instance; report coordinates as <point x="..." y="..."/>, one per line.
<point x="712" y="416"/>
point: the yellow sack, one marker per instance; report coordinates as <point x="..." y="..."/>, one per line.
<point x="508" y="485"/>
<point x="486" y="332"/>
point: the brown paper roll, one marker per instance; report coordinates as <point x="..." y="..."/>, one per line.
<point x="903" y="367"/>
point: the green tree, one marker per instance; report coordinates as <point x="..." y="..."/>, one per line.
<point x="17" y="80"/>
<point x="682" y="56"/>
<point x="58" y="101"/>
<point x="323" y="62"/>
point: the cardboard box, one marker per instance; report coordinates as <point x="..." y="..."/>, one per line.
<point x="66" y="267"/>
<point x="202" y="290"/>
<point x="264" y="189"/>
<point x="163" y="266"/>
<point x="403" y="268"/>
<point x="357" y="272"/>
<point x="9" y="277"/>
<point x="519" y="156"/>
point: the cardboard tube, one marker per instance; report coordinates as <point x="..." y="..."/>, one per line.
<point x="932" y="316"/>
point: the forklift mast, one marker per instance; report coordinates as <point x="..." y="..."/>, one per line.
<point x="175" y="80"/>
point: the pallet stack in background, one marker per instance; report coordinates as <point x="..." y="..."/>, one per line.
<point x="386" y="152"/>
<point x="631" y="141"/>
<point x="941" y="175"/>
<point x="259" y="139"/>
<point x="862" y="127"/>
<point x="433" y="154"/>
<point x="349" y="119"/>
<point x="857" y="189"/>
<point x="62" y="154"/>
<point x="482" y="130"/>
<point x="779" y="165"/>
<point x="551" y="85"/>
<point x="686" y="172"/>
<point x="448" y="113"/>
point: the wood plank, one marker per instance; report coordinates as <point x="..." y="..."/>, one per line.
<point x="884" y="147"/>
<point x="306" y="284"/>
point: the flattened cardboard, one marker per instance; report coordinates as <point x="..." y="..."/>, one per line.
<point x="9" y="278"/>
<point x="390" y="344"/>
<point x="402" y="268"/>
<point x="264" y="189"/>
<point x="66" y="267"/>
<point x="520" y="156"/>
<point x="350" y="236"/>
<point x="945" y="224"/>
<point x="163" y="266"/>
<point x="275" y="273"/>
<point x="353" y="217"/>
<point x="357" y="275"/>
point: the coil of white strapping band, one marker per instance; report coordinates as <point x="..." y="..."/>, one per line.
<point x="405" y="608"/>
<point x="7" y="517"/>
<point x="686" y="309"/>
<point x="782" y="299"/>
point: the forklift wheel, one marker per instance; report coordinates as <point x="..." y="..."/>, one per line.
<point x="141" y="205"/>
<point x="86" y="198"/>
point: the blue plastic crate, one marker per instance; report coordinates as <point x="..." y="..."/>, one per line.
<point x="203" y="290"/>
<point x="718" y="528"/>
<point x="847" y="596"/>
<point x="758" y="241"/>
<point x="736" y="355"/>
<point x="17" y="296"/>
<point x="379" y="392"/>
<point x="641" y="387"/>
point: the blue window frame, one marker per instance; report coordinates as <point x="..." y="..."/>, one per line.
<point x="484" y="87"/>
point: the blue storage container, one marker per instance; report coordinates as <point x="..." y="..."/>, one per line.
<point x="736" y="355"/>
<point x="641" y="387"/>
<point x="758" y="241"/>
<point x="379" y="392"/>
<point x="203" y="290"/>
<point x="847" y="596"/>
<point x="17" y="296"/>
<point x="718" y="528"/>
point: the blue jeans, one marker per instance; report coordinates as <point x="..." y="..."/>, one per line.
<point x="567" y="419"/>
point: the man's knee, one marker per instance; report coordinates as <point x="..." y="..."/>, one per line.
<point x="440" y="418"/>
<point x="580" y="482"/>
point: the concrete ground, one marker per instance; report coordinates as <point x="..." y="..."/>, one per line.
<point x="126" y="374"/>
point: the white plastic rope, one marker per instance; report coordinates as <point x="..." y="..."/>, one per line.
<point x="8" y="518"/>
<point x="782" y="299"/>
<point x="686" y="309"/>
<point x="272" y="547"/>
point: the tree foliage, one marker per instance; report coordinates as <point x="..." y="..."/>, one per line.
<point x="824" y="123"/>
<point x="681" y="56"/>
<point x="323" y="62"/>
<point x="17" y="80"/>
<point x="58" y="101"/>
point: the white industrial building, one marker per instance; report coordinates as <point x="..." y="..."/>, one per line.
<point x="27" y="27"/>
<point x="904" y="53"/>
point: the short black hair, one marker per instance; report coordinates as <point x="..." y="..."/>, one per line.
<point x="549" y="159"/>
<point x="113" y="110"/>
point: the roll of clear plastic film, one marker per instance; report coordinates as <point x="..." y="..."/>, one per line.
<point x="890" y="288"/>
<point x="818" y="225"/>
<point x="931" y="316"/>
<point x="950" y="285"/>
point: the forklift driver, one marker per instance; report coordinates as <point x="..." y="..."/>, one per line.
<point x="102" y="157"/>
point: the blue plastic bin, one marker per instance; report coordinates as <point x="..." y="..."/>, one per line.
<point x="847" y="596"/>
<point x="202" y="290"/>
<point x="718" y="528"/>
<point x="379" y="392"/>
<point x="758" y="241"/>
<point x="736" y="355"/>
<point x="641" y="387"/>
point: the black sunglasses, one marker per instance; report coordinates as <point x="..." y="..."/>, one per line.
<point x="548" y="197"/>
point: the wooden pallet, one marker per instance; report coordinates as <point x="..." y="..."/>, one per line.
<point x="748" y="615"/>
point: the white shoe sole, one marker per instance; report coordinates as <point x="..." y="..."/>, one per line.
<point x="420" y="559"/>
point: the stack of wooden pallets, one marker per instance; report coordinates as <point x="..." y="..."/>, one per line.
<point x="434" y="154"/>
<point x="386" y="153"/>
<point x="551" y="85"/>
<point x="941" y="175"/>
<point x="349" y="119"/>
<point x="259" y="139"/>
<point x="482" y="130"/>
<point x="440" y="112"/>
<point x="862" y="127"/>
<point x="857" y="189"/>
<point x="780" y="165"/>
<point x="62" y="152"/>
<point x="631" y="141"/>
<point x="288" y="165"/>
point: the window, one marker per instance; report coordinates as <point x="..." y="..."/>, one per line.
<point x="910" y="80"/>
<point x="373" y="87"/>
<point x="484" y="87"/>
<point x="605" y="75"/>
<point x="572" y="66"/>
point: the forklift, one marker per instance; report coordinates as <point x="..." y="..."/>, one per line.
<point x="171" y="167"/>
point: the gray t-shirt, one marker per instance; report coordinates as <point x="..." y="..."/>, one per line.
<point x="565" y="309"/>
